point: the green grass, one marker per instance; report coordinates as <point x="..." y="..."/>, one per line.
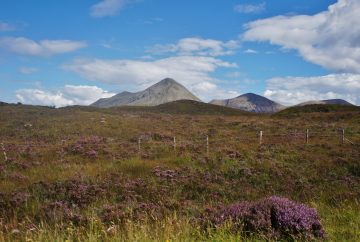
<point x="323" y="174"/>
<point x="317" y="108"/>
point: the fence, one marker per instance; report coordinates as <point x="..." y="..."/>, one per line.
<point x="206" y="144"/>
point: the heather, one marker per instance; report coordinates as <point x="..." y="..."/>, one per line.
<point x="275" y="217"/>
<point x="78" y="174"/>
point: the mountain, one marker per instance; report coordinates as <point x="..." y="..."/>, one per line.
<point x="251" y="102"/>
<point x="330" y="101"/>
<point x="183" y="107"/>
<point x="167" y="90"/>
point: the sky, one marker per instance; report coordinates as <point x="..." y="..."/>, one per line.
<point x="67" y="52"/>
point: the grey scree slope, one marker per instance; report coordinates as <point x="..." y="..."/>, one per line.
<point x="167" y="90"/>
<point x="251" y="102"/>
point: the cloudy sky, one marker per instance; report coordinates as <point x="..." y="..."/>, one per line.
<point x="74" y="52"/>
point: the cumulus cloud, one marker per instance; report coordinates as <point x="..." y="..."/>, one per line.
<point x="26" y="46"/>
<point x="108" y="7"/>
<point x="68" y="95"/>
<point x="250" y="8"/>
<point x="188" y="70"/>
<point x="330" y="39"/>
<point x="197" y="46"/>
<point x="4" y="27"/>
<point x="294" y="90"/>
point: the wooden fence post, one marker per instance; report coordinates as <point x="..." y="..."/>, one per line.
<point x="139" y="146"/>
<point x="307" y="136"/>
<point x="4" y="152"/>
<point x="207" y="145"/>
<point x="343" y="137"/>
<point x="261" y="137"/>
<point x="174" y="143"/>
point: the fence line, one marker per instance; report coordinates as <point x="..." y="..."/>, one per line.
<point x="206" y="140"/>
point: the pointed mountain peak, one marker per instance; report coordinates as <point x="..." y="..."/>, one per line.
<point x="168" y="81"/>
<point x="251" y="95"/>
<point x="167" y="90"/>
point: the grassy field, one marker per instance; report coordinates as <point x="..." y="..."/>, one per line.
<point x="80" y="174"/>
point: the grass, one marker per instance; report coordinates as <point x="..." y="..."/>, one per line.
<point x="318" y="108"/>
<point x="159" y="193"/>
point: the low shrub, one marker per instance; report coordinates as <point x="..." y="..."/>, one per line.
<point x="275" y="217"/>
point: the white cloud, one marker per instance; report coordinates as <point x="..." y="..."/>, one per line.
<point x="27" y="70"/>
<point x="108" y="7"/>
<point x="250" y="51"/>
<point x="209" y="91"/>
<point x="191" y="71"/>
<point x="197" y="46"/>
<point x="294" y="90"/>
<point x="68" y="95"/>
<point x="330" y="39"/>
<point x="26" y="46"/>
<point x="250" y="8"/>
<point x="4" y="27"/>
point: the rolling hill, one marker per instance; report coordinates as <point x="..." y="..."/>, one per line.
<point x="188" y="107"/>
<point x="329" y="101"/>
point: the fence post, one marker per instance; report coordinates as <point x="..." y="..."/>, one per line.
<point x="4" y="152"/>
<point x="207" y="145"/>
<point x="139" y="145"/>
<point x="307" y="136"/>
<point x="343" y="137"/>
<point x="261" y="137"/>
<point x="174" y="143"/>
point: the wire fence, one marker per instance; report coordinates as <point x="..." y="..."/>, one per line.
<point x="153" y="145"/>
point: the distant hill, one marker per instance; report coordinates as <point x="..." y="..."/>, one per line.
<point x="189" y="107"/>
<point x="329" y="101"/>
<point x="252" y="103"/>
<point x="317" y="108"/>
<point x="167" y="90"/>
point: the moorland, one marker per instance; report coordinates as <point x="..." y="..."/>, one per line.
<point x="118" y="174"/>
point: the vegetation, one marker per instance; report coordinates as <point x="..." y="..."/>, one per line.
<point x="185" y="107"/>
<point x="318" y="108"/>
<point x="77" y="174"/>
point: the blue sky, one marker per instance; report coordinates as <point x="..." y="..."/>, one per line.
<point x="74" y="52"/>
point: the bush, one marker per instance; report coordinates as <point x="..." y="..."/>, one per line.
<point x="274" y="217"/>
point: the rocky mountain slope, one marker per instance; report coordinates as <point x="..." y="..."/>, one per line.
<point x="251" y="102"/>
<point x="167" y="90"/>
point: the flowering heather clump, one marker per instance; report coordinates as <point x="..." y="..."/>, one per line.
<point x="12" y="203"/>
<point x="73" y="192"/>
<point x="88" y="146"/>
<point x="169" y="174"/>
<point x="274" y="216"/>
<point x="15" y="176"/>
<point x="60" y="211"/>
<point x="91" y="154"/>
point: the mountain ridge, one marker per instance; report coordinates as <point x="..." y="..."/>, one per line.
<point x="167" y="90"/>
<point x="250" y="102"/>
